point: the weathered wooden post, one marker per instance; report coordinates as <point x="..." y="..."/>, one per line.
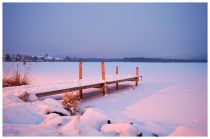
<point x="104" y="89"/>
<point x="80" y="78"/>
<point x="103" y="70"/>
<point x="103" y="77"/>
<point x="80" y="70"/>
<point x="137" y="75"/>
<point x="117" y="76"/>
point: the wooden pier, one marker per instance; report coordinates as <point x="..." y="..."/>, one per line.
<point x="101" y="85"/>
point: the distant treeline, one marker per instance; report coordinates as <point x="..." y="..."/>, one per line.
<point x="137" y="59"/>
<point x="46" y="58"/>
<point x="142" y="59"/>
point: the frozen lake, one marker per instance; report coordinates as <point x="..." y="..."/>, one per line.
<point x="178" y="73"/>
<point x="174" y="95"/>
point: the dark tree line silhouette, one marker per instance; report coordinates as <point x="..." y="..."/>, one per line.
<point x="27" y="58"/>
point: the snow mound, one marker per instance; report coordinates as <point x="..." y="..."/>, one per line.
<point x="54" y="120"/>
<point x="21" y="113"/>
<point x="32" y="97"/>
<point x="88" y="124"/>
<point x="122" y="129"/>
<point x="33" y="118"/>
<point x="51" y="116"/>
<point x="186" y="131"/>
<point x="50" y="106"/>
<point x="52" y="102"/>
<point x="27" y="130"/>
<point x="9" y="99"/>
<point x="29" y="113"/>
<point x="77" y="128"/>
<point x="25" y="96"/>
<point x="94" y="117"/>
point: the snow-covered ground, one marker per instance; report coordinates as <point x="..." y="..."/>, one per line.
<point x="171" y="101"/>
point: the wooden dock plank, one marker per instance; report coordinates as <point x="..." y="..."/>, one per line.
<point x="48" y="93"/>
<point x="96" y="85"/>
<point x="122" y="80"/>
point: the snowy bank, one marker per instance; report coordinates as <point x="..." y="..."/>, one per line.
<point x="43" y="118"/>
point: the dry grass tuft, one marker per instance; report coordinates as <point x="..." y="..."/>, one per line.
<point x="16" y="78"/>
<point x="70" y="102"/>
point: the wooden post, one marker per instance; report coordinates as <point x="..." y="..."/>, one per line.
<point x="104" y="89"/>
<point x="80" y="78"/>
<point x="137" y="74"/>
<point x="117" y="75"/>
<point x="80" y="70"/>
<point x="103" y="70"/>
<point x="103" y="77"/>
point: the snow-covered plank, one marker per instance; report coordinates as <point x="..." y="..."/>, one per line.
<point x="86" y="86"/>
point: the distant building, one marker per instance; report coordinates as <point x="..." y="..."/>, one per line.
<point x="48" y="58"/>
<point x="40" y="58"/>
<point x="58" y="59"/>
